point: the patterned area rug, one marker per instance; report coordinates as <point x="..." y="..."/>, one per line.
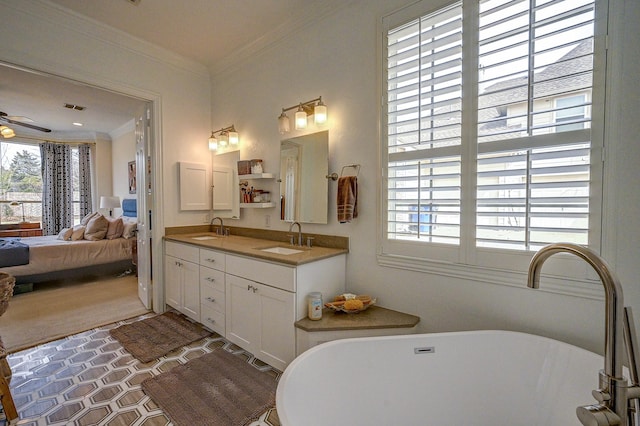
<point x="218" y="388"/>
<point x="154" y="337"/>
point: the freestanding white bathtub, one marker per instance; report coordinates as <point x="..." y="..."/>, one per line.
<point x="477" y="378"/>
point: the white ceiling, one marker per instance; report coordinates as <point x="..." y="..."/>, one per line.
<point x="206" y="31"/>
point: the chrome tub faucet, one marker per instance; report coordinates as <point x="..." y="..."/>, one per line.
<point x="614" y="394"/>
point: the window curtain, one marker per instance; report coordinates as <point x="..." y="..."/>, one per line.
<point x="84" y="179"/>
<point x="57" y="192"/>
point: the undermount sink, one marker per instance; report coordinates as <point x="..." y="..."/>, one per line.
<point x="281" y="250"/>
<point x="204" y="237"/>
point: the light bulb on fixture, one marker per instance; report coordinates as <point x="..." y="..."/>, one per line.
<point x="301" y="118"/>
<point x="224" y="140"/>
<point x="233" y="137"/>
<point x="283" y="123"/>
<point x="320" y="112"/>
<point x="213" y="142"/>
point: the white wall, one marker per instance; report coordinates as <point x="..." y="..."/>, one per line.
<point x="337" y="58"/>
<point x="38" y="35"/>
<point x="123" y="151"/>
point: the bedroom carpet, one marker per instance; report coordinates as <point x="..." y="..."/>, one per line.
<point x="218" y="388"/>
<point x="62" y="308"/>
<point x="154" y="337"/>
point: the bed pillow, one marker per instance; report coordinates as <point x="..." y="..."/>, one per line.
<point x="65" y="234"/>
<point x="130" y="226"/>
<point x="115" y="229"/>
<point x="87" y="218"/>
<point x="77" y="232"/>
<point x="96" y="228"/>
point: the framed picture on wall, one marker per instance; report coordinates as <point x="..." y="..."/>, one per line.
<point x="132" y="177"/>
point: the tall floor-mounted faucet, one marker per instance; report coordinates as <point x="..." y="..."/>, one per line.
<point x="614" y="394"/>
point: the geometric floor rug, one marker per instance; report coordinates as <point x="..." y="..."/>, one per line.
<point x="217" y="388"/>
<point x="154" y="337"/>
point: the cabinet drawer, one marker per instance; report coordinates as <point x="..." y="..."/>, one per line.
<point x="211" y="277"/>
<point x="212" y="298"/>
<point x="278" y="276"/>
<point x="212" y="259"/>
<point x="182" y="251"/>
<point x="213" y="320"/>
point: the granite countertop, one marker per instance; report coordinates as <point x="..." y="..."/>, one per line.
<point x="248" y="246"/>
<point x="371" y="318"/>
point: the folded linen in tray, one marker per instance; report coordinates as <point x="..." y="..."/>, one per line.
<point x="13" y="253"/>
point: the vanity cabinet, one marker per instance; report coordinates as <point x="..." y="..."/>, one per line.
<point x="265" y="299"/>
<point x="212" y="290"/>
<point x="182" y="278"/>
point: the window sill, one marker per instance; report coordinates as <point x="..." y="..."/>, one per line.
<point x="588" y="289"/>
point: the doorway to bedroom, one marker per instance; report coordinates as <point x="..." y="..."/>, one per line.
<point x="38" y="97"/>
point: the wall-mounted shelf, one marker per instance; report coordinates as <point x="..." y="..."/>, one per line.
<point x="257" y="176"/>
<point x="257" y="205"/>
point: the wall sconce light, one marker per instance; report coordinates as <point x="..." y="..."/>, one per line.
<point x="313" y="107"/>
<point x="7" y="132"/>
<point x="227" y="136"/>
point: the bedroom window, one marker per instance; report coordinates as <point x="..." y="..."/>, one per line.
<point x="21" y="182"/>
<point x="490" y="143"/>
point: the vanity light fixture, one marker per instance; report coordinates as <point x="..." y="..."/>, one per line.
<point x="226" y="136"/>
<point x="313" y="107"/>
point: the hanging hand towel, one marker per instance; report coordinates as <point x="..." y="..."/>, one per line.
<point x="347" y="198"/>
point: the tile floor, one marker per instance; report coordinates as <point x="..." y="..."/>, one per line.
<point x="89" y="379"/>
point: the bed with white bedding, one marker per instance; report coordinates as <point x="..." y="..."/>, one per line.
<point x="48" y="254"/>
<point x="54" y="257"/>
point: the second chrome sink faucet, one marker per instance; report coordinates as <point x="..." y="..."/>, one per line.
<point x="299" y="233"/>
<point x="220" y="230"/>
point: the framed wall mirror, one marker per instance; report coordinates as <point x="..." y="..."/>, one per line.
<point x="304" y="187"/>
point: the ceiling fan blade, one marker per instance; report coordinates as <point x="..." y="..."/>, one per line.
<point x="3" y="116"/>
<point x="30" y="126"/>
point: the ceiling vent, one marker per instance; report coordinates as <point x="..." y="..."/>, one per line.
<point x="76" y="107"/>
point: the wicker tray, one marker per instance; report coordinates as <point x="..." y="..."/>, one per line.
<point x="339" y="306"/>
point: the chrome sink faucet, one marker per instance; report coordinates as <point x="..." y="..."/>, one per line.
<point x="221" y="230"/>
<point x="613" y="394"/>
<point x="299" y="233"/>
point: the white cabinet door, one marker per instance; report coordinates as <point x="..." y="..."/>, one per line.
<point x="182" y="279"/>
<point x="223" y="190"/>
<point x="277" y="340"/>
<point x="191" y="290"/>
<point x="242" y="312"/>
<point x="173" y="282"/>
<point x="260" y="319"/>
<point x="195" y="188"/>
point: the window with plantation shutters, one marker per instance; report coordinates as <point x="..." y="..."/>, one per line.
<point x="490" y="143"/>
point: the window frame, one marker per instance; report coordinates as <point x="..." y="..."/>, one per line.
<point x="500" y="266"/>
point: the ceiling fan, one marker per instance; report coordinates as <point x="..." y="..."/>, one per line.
<point x="12" y="120"/>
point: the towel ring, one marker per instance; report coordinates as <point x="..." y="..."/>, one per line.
<point x="351" y="166"/>
<point x="334" y="175"/>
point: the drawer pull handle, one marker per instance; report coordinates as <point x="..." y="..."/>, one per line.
<point x="211" y="299"/>
<point x="210" y="279"/>
<point x="211" y="260"/>
<point x="211" y="320"/>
